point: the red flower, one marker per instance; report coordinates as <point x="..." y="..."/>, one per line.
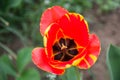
<point x="67" y="42"/>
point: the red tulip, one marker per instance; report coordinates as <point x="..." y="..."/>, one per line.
<point x="67" y="42"/>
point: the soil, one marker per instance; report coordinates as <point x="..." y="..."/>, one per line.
<point x="107" y="27"/>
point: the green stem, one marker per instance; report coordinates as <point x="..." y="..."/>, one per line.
<point x="79" y="75"/>
<point x="4" y="21"/>
<point x="72" y="73"/>
<point x="8" y="50"/>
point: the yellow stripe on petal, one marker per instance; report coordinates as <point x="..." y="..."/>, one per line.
<point x="76" y="62"/>
<point x="86" y="62"/>
<point x="48" y="28"/>
<point x="45" y="41"/>
<point x="67" y="16"/>
<point x="94" y="58"/>
<point x="86" y="25"/>
<point x="68" y="66"/>
<point x="46" y="34"/>
<point x="78" y="15"/>
<point x="81" y="17"/>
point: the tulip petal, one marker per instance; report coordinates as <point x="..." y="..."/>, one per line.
<point x="40" y="59"/>
<point x="74" y="26"/>
<point x="57" y="30"/>
<point x="93" y="51"/>
<point x="51" y="37"/>
<point x="50" y="15"/>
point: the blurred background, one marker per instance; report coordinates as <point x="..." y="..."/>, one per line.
<point x="19" y="34"/>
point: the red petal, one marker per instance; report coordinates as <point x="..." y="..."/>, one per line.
<point x="93" y="51"/>
<point x="70" y="25"/>
<point x="51" y="38"/>
<point x="50" y="15"/>
<point x="74" y="26"/>
<point x="52" y="35"/>
<point x="40" y="59"/>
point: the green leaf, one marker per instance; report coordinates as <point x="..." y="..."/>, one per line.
<point x="113" y="62"/>
<point x="5" y="58"/>
<point x="6" y="66"/>
<point x="30" y="74"/>
<point x="72" y="74"/>
<point x="24" y="58"/>
<point x="7" y="4"/>
<point x="15" y="3"/>
<point x="3" y="76"/>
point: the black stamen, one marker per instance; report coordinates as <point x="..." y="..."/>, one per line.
<point x="70" y="43"/>
<point x="58" y="56"/>
<point x="67" y="58"/>
<point x="62" y="41"/>
<point x="56" y="47"/>
<point x="64" y="49"/>
<point x="73" y="52"/>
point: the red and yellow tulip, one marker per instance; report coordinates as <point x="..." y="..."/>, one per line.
<point x="67" y="42"/>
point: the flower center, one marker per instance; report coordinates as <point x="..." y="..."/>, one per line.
<point x="64" y="49"/>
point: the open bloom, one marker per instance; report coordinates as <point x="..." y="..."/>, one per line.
<point x="67" y="42"/>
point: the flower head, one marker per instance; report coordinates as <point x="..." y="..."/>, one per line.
<point x="67" y="42"/>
